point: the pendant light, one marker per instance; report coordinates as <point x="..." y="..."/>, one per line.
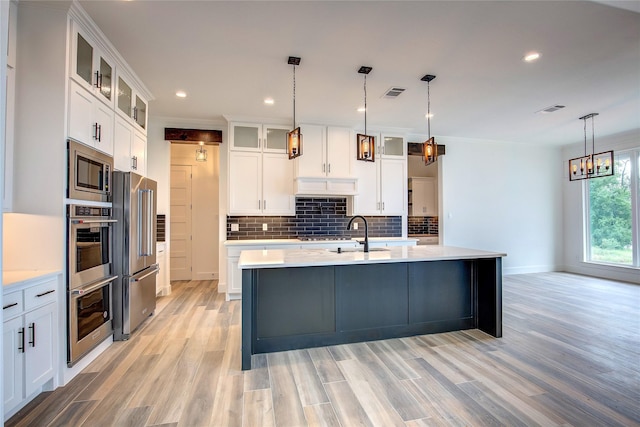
<point x="593" y="165"/>
<point x="365" y="143"/>
<point x="429" y="147"/>
<point x="294" y="138"/>
<point x="201" y="153"/>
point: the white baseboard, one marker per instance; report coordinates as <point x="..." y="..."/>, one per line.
<point x="222" y="287"/>
<point x="206" y="275"/>
<point x="531" y="269"/>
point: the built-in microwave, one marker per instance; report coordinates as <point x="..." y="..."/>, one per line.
<point x="89" y="173"/>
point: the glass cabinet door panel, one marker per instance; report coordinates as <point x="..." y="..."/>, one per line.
<point x="246" y="137"/>
<point x="393" y="146"/>
<point x="84" y="59"/>
<point x="276" y="139"/>
<point x="141" y="112"/>
<point x="124" y="97"/>
<point x="106" y="72"/>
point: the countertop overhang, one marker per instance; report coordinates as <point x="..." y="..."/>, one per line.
<point x="282" y="258"/>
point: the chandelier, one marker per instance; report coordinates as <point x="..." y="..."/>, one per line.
<point x="592" y="165"/>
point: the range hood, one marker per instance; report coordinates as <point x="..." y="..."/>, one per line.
<point x="324" y="186"/>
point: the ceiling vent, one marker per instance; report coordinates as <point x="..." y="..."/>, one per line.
<point x="393" y="92"/>
<point x="550" y="109"/>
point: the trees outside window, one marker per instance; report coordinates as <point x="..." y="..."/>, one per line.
<point x="613" y="213"/>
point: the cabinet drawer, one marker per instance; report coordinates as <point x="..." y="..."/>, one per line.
<point x="12" y="305"/>
<point x="40" y="295"/>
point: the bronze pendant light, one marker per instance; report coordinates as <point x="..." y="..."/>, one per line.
<point x="294" y="138"/>
<point x="593" y="165"/>
<point x="366" y="146"/>
<point x="201" y="153"/>
<point x="429" y="147"/>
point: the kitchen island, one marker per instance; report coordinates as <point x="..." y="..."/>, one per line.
<point x="317" y="297"/>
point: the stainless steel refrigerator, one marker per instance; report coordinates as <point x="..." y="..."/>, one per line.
<point x="134" y="255"/>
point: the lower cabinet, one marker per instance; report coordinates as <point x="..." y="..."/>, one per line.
<point x="29" y="337"/>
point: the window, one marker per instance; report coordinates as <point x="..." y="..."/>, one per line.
<point x="612" y="214"/>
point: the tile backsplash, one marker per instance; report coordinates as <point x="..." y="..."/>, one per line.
<point x="314" y="216"/>
<point x="422" y="225"/>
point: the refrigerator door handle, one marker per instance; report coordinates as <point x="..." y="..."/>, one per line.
<point x="145" y="234"/>
<point x="156" y="269"/>
<point x="150" y="220"/>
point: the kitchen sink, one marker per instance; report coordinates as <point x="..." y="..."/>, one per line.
<point x="344" y="250"/>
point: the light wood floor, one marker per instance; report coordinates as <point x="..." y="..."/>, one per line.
<point x="570" y="355"/>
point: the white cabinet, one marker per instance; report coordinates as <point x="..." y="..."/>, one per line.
<point x="326" y="152"/>
<point x="162" y="279"/>
<point x="90" y="120"/>
<point x="29" y="336"/>
<point x="260" y="184"/>
<point x="258" y="137"/>
<point x="382" y="188"/>
<point x="423" y="196"/>
<point x="90" y="67"/>
<point x="260" y="172"/>
<point x="131" y="104"/>
<point x="130" y="148"/>
<point x="392" y="147"/>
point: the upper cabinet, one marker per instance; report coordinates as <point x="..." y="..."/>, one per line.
<point x="393" y="147"/>
<point x="90" y="121"/>
<point x="258" y="137"/>
<point x="90" y="67"/>
<point x="131" y="104"/>
<point x="326" y="152"/>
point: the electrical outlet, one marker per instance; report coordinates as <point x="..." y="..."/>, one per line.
<point x="355" y="225"/>
<point x="264" y="227"/>
<point x="235" y="227"/>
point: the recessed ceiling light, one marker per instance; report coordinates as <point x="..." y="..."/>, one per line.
<point x="181" y="94"/>
<point x="429" y="116"/>
<point x="531" y="56"/>
<point x="269" y="101"/>
<point x="360" y="110"/>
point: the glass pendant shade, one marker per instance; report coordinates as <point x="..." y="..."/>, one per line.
<point x="201" y="153"/>
<point x="366" y="148"/>
<point x="429" y="151"/>
<point x="593" y="165"/>
<point x="294" y="143"/>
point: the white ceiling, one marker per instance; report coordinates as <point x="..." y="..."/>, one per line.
<point x="229" y="56"/>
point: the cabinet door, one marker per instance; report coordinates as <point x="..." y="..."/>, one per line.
<point x="124" y="98"/>
<point x="103" y="119"/>
<point x="140" y="112"/>
<point x="274" y="138"/>
<point x="13" y="363"/>
<point x="277" y="185"/>
<point x="339" y="142"/>
<point x="392" y="146"/>
<point x="246" y="136"/>
<point x="40" y="347"/>
<point x="245" y="183"/>
<point x="81" y="125"/>
<point x="139" y="154"/>
<point x="122" y="140"/>
<point x="105" y="80"/>
<point x="367" y="202"/>
<point x="83" y="54"/>
<point x="393" y="186"/>
<point x="312" y="163"/>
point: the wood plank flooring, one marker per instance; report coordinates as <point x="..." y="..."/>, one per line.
<point x="570" y="355"/>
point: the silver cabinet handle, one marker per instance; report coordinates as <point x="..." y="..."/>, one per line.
<point x="382" y="205"/>
<point x="93" y="287"/>
<point x="94" y="221"/>
<point x="264" y="204"/>
<point x="329" y="168"/>
<point x="323" y="168"/>
<point x="259" y="204"/>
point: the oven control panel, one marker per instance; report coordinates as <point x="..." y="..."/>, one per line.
<point x="88" y="211"/>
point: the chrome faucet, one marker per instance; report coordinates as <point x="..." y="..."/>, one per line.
<point x="366" y="231"/>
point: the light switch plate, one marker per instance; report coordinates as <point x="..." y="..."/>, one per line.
<point x="355" y="225"/>
<point x="235" y="227"/>
<point x="264" y="227"/>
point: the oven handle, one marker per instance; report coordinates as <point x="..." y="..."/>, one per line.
<point x="93" y="287"/>
<point x="93" y="221"/>
<point x="156" y="269"/>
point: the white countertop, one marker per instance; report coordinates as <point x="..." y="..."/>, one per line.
<point x="16" y="276"/>
<point x="305" y="242"/>
<point x="278" y="258"/>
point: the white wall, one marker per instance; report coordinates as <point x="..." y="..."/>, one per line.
<point x="503" y="197"/>
<point x="574" y="197"/>
<point x="4" y="34"/>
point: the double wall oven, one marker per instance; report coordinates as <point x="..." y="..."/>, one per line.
<point x="90" y="271"/>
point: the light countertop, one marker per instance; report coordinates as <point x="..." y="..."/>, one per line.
<point x="309" y="242"/>
<point x="278" y="258"/>
<point x="16" y="276"/>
